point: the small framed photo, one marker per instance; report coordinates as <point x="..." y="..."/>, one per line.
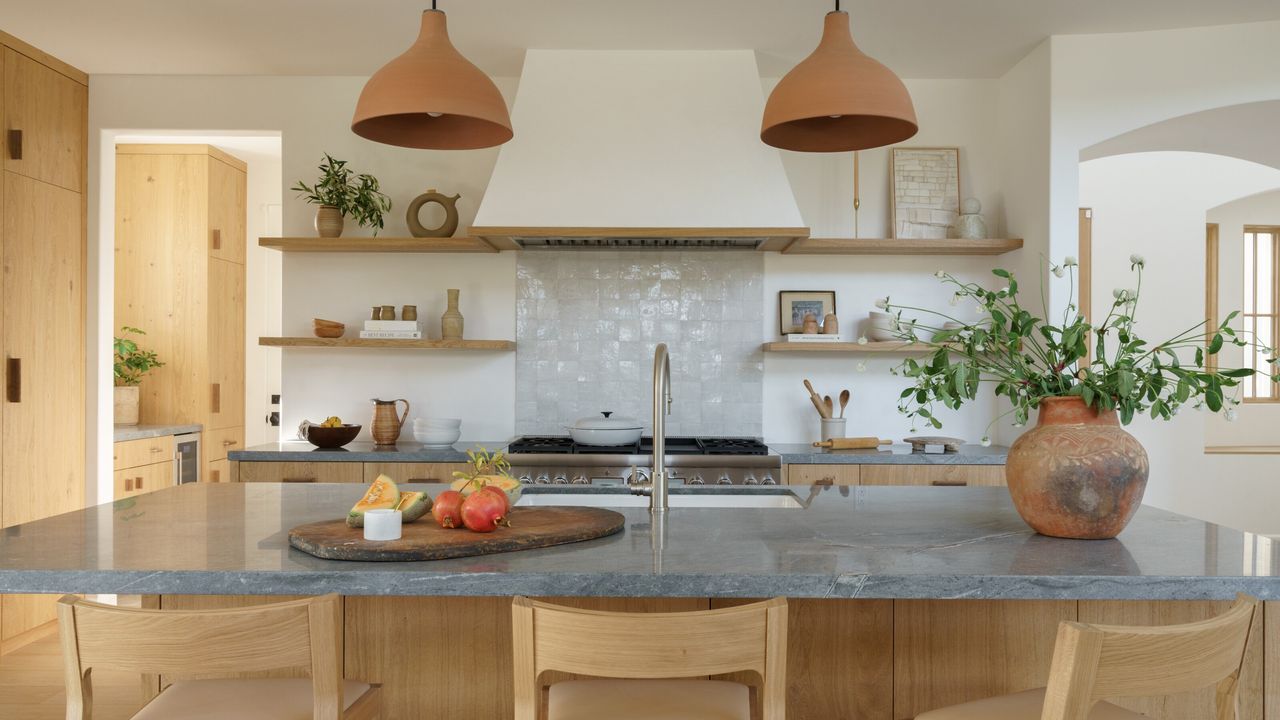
<point x="793" y="305"/>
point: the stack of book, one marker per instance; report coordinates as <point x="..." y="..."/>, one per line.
<point x="391" y="330"/>
<point x="802" y="338"/>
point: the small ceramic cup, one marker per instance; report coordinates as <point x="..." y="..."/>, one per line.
<point x="832" y="428"/>
<point x="382" y="525"/>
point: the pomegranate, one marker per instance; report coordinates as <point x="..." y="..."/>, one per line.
<point x="506" y="501"/>
<point x="447" y="509"/>
<point x="483" y="512"/>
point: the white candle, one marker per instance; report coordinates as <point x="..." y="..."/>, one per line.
<point x="382" y="525"/>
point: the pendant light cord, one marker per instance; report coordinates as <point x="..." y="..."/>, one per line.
<point x="837" y="4"/>
<point x="433" y="4"/>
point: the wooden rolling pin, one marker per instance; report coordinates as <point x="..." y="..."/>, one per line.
<point x="858" y="443"/>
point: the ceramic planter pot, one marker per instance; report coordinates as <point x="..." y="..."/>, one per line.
<point x="126" y="405"/>
<point x="1077" y="474"/>
<point x="328" y="221"/>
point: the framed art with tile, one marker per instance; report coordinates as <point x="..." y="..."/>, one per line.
<point x="793" y="305"/>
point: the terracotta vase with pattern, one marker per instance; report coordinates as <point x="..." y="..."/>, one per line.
<point x="1078" y="474"/>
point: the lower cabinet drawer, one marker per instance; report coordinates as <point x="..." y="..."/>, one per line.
<point x="144" y="451"/>
<point x="937" y="475"/>
<point x="145" y="479"/>
<point x="217" y="443"/>
<point x="823" y="474"/>
<point x="414" y="472"/>
<point x="302" y="472"/>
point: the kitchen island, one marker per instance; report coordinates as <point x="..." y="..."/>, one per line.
<point x="903" y="599"/>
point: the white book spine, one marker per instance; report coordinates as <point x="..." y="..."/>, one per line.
<point x="392" y="326"/>
<point x="796" y="338"/>
<point x="367" y="335"/>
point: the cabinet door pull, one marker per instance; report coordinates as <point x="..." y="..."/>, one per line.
<point x="13" y="380"/>
<point x="15" y="144"/>
<point x="128" y="484"/>
<point x="138" y="483"/>
<point x="950" y="483"/>
<point x="300" y="480"/>
<point x="228" y="443"/>
<point x="216" y="402"/>
<point x="829" y="480"/>
<point x="156" y="449"/>
<point x="215" y="239"/>
<point x="214" y="475"/>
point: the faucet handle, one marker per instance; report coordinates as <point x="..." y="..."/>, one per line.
<point x="668" y="401"/>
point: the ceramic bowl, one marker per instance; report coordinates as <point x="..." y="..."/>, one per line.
<point x="327" y="331"/>
<point x="434" y="422"/>
<point x="331" y="437"/>
<point x="436" y="437"/>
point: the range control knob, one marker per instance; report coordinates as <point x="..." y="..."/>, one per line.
<point x="525" y="479"/>
<point x="750" y="479"/>
<point x="725" y="480"/>
<point x="543" y="479"/>
<point x="697" y="480"/>
<point x="561" y="479"/>
<point x="639" y="477"/>
<point x="768" y="479"/>
<point x="580" y="479"/>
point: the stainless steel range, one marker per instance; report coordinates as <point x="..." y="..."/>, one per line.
<point x="558" y="460"/>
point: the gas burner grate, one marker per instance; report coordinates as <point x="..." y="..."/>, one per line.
<point x="560" y="445"/>
<point x="733" y="446"/>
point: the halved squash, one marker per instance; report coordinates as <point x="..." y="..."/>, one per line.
<point x="508" y="485"/>
<point x="413" y="505"/>
<point x="381" y="495"/>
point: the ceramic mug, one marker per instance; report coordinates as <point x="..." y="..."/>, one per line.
<point x="382" y="525"/>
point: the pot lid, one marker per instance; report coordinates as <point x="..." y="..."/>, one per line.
<point x="606" y="422"/>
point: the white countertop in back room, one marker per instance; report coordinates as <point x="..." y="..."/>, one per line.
<point x="137" y="432"/>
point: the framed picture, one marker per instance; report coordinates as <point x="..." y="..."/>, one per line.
<point x="793" y="305"/>
<point x="926" y="192"/>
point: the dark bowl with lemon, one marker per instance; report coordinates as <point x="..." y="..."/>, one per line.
<point x="331" y="438"/>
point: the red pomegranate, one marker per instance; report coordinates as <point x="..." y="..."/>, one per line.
<point x="483" y="512"/>
<point x="506" y="501"/>
<point x="447" y="509"/>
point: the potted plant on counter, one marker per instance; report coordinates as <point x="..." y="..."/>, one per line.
<point x="341" y="193"/>
<point x="131" y="364"/>
<point x="1078" y="473"/>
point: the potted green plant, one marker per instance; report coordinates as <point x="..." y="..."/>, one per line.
<point x="1078" y="473"/>
<point x="131" y="364"/>
<point x="340" y="193"/>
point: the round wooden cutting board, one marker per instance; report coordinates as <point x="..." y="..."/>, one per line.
<point x="425" y="540"/>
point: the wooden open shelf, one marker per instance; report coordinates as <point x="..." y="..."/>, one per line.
<point x="892" y="346"/>
<point x="355" y="342"/>
<point x="378" y="244"/>
<point x="771" y="238"/>
<point x="869" y="246"/>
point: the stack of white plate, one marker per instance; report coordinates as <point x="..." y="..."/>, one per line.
<point x="437" y="432"/>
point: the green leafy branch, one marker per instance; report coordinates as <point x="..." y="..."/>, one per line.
<point x="130" y="361"/>
<point x="355" y="196"/>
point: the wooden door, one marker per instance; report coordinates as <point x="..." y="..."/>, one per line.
<point x="226" y="345"/>
<point x="48" y="110"/>
<point x="227" y="208"/>
<point x="42" y="467"/>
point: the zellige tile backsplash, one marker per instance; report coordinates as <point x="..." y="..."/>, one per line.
<point x="587" y="323"/>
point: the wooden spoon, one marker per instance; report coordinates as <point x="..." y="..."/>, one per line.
<point x="826" y="402"/>
<point x="844" y="401"/>
<point x="817" y="401"/>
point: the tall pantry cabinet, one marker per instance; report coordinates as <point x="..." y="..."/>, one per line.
<point x="43" y="108"/>
<point x="180" y="277"/>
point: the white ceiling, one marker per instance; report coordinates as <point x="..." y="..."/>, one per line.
<point x="917" y="38"/>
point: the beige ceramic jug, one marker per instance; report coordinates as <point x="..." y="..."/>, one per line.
<point x="386" y="425"/>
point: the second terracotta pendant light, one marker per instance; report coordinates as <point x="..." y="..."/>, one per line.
<point x="432" y="97"/>
<point x="838" y="99"/>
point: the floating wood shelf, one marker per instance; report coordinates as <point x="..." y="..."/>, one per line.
<point x="378" y="244"/>
<point x="867" y="246"/>
<point x="355" y="342"/>
<point x="892" y="346"/>
<point x="762" y="239"/>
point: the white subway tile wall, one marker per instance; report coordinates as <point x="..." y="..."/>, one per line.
<point x="587" y="323"/>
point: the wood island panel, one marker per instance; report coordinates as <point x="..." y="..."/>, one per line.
<point x="1271" y="660"/>
<point x="824" y="474"/>
<point x="947" y="652"/>
<point x="1188" y="705"/>
<point x="309" y="472"/>
<point x="414" y="472"/>
<point x="938" y="475"/>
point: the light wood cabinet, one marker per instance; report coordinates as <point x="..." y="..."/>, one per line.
<point x="301" y="472"/>
<point x="144" y="451"/>
<point x="218" y="471"/>
<point x="141" y="480"/>
<point x="43" y="140"/>
<point x="824" y="474"/>
<point x="936" y="475"/>
<point x="180" y="250"/>
<point x="414" y="472"/>
<point x="143" y="465"/>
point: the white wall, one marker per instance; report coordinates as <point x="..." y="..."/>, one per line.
<point x="1155" y="204"/>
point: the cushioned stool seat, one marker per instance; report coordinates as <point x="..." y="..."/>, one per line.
<point x="1019" y="706"/>
<point x="284" y="699"/>
<point x="648" y="699"/>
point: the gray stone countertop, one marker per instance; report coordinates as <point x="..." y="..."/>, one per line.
<point x="845" y="542"/>
<point x="802" y="454"/>
<point x="125" y="433"/>
<point x="362" y="451"/>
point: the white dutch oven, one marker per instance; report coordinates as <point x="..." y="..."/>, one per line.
<point x="605" y="430"/>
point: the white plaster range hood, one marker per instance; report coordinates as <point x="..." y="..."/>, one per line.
<point x="638" y="149"/>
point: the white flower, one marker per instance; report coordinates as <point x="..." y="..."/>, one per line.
<point x="1120" y="294"/>
<point x="1175" y="409"/>
<point x="1004" y="290"/>
<point x="1058" y="272"/>
<point x="1070" y="261"/>
<point x="979" y="347"/>
<point x="1137" y="259"/>
<point x="986" y="441"/>
<point x="862" y="339"/>
<point x="862" y="367"/>
<point x="883" y="303"/>
<point x="1230" y="414"/>
<point x="1019" y="424"/>
<point x="955" y="300"/>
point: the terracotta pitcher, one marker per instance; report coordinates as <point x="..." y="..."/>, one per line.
<point x="386" y="425"/>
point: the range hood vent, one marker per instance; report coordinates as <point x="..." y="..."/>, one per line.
<point x="639" y="149"/>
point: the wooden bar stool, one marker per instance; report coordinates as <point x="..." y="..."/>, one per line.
<point x="302" y="633"/>
<point x="1091" y="662"/>
<point x="640" y="648"/>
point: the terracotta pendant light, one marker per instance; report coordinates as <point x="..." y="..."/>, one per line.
<point x="432" y="97"/>
<point x="838" y="99"/>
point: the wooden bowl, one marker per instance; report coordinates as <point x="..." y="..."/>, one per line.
<point x="321" y="322"/>
<point x="324" y="331"/>
<point x="332" y="438"/>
